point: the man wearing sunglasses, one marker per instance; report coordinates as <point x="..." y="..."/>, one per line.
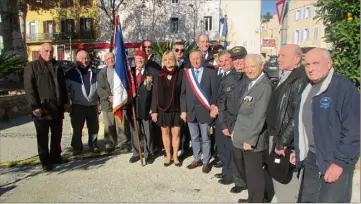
<point x="178" y="51"/>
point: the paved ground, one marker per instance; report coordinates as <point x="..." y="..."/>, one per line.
<point x="104" y="179"/>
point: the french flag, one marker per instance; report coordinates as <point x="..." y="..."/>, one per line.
<point x="124" y="86"/>
<point x="223" y="31"/>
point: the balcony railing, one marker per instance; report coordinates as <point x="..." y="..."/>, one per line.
<point x="39" y="37"/>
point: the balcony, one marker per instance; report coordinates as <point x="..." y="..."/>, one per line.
<point x="61" y="36"/>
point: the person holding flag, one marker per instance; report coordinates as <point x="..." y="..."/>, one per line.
<point x="198" y="87"/>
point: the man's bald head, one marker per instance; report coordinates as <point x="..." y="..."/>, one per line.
<point x="82" y="58"/>
<point x="318" y="64"/>
<point x="203" y="43"/>
<point x="289" y="57"/>
<point x="46" y="51"/>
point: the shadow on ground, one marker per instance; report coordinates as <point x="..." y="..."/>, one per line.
<point x="15" y="122"/>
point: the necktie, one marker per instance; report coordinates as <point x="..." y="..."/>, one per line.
<point x="250" y="85"/>
<point x="197" y="73"/>
<point x="139" y="77"/>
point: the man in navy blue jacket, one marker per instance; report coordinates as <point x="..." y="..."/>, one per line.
<point x="327" y="132"/>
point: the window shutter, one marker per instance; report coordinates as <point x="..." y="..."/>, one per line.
<point x="45" y="27"/>
<point x="54" y="27"/>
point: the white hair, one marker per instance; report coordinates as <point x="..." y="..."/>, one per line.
<point x="257" y="57"/>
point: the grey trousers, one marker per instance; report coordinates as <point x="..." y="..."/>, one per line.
<point x="144" y="128"/>
<point x="201" y="143"/>
<point x="113" y="133"/>
<point x="79" y="114"/>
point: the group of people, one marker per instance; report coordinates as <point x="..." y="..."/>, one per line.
<point x="306" y="123"/>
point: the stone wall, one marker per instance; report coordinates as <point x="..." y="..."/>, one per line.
<point x="12" y="106"/>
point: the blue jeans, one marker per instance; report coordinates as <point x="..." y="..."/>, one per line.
<point x="315" y="190"/>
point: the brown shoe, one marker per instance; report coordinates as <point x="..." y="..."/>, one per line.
<point x="206" y="168"/>
<point x="194" y="165"/>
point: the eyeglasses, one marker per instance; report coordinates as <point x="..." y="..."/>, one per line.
<point x="179" y="50"/>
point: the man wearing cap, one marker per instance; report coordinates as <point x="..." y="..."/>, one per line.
<point x="143" y="77"/>
<point x="231" y="90"/>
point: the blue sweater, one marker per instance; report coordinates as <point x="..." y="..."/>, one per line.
<point x="336" y="124"/>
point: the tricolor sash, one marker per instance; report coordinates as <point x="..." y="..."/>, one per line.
<point x="201" y="96"/>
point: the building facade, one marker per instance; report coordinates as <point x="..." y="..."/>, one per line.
<point x="166" y="20"/>
<point x="270" y="37"/>
<point x="244" y="19"/>
<point x="302" y="28"/>
<point x="67" y="24"/>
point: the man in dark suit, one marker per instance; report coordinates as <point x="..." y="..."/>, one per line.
<point x="182" y="62"/>
<point x="197" y="91"/>
<point x="152" y="60"/>
<point x="143" y="77"/>
<point x="207" y="55"/>
<point x="248" y="137"/>
<point x="44" y="84"/>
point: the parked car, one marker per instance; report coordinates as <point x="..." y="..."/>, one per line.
<point x="271" y="69"/>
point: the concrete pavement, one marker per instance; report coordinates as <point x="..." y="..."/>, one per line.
<point x="107" y="178"/>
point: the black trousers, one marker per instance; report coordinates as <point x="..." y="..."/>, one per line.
<point x="224" y="150"/>
<point x="185" y="138"/>
<point x="42" y="135"/>
<point x="249" y="165"/>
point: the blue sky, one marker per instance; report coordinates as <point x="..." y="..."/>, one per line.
<point x="269" y="6"/>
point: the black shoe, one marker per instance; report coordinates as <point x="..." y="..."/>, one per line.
<point x="225" y="181"/>
<point x="77" y="152"/>
<point x="149" y="159"/>
<point x="109" y="150"/>
<point x="237" y="189"/>
<point x="134" y="159"/>
<point x="60" y="160"/>
<point x="178" y="164"/>
<point x="218" y="164"/>
<point x="167" y="164"/>
<point x="220" y="175"/>
<point x="48" y="167"/>
<point x="243" y="200"/>
<point x="94" y="150"/>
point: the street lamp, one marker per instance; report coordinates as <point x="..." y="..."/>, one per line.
<point x="194" y="22"/>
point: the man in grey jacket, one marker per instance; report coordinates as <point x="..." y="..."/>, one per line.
<point x="81" y="83"/>
<point x="105" y="89"/>
<point x="248" y="135"/>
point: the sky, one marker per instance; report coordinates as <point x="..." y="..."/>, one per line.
<point x="269" y="6"/>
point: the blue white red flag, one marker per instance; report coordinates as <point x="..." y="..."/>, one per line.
<point x="124" y="87"/>
<point x="223" y="31"/>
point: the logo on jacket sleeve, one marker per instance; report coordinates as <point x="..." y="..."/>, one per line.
<point x="325" y="102"/>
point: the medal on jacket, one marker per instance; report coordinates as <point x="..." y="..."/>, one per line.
<point x="148" y="82"/>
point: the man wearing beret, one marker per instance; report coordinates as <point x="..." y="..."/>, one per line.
<point x="143" y="77"/>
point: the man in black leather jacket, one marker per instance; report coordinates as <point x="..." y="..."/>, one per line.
<point x="280" y="112"/>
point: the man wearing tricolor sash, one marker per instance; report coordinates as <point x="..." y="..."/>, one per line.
<point x="198" y="87"/>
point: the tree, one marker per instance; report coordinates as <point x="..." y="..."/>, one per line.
<point x="343" y="31"/>
<point x="111" y="8"/>
<point x="267" y="17"/>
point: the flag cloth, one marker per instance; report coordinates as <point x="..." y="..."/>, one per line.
<point x="223" y="32"/>
<point x="124" y="88"/>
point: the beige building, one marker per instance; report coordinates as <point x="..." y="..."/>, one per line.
<point x="270" y="37"/>
<point x="302" y="29"/>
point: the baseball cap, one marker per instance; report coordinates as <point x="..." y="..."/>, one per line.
<point x="238" y="51"/>
<point x="140" y="53"/>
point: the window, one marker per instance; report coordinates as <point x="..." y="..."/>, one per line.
<point x="208" y="23"/>
<point x="317" y="11"/>
<point x="174" y="1"/>
<point x="315" y="33"/>
<point x="85" y="2"/>
<point x="48" y="29"/>
<point x="295" y="36"/>
<point x="67" y="26"/>
<point x="307" y="13"/>
<point x="86" y="28"/>
<point x="306" y="34"/>
<point x="174" y="25"/>
<point x="66" y="3"/>
<point x="297" y="15"/>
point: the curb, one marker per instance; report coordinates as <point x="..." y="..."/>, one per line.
<point x="33" y="161"/>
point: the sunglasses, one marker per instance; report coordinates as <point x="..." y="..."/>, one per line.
<point x="179" y="50"/>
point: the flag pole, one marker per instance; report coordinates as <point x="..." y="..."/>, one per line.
<point x="137" y="135"/>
